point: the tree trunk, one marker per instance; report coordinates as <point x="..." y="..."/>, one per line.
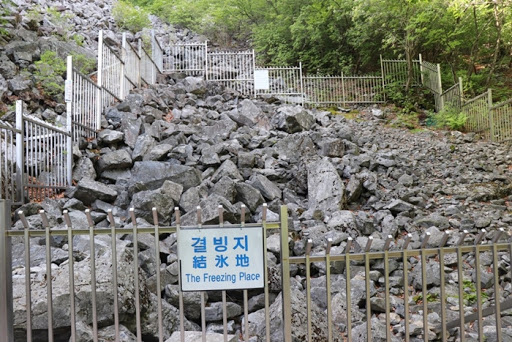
<point x="498" y="23"/>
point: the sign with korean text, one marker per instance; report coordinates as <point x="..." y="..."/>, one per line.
<point x="221" y="258"/>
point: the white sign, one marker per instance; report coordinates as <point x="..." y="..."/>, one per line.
<point x="261" y="80"/>
<point x="221" y="258"/>
<point x="68" y="90"/>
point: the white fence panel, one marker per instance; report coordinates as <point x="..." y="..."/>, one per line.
<point x="188" y="58"/>
<point x="47" y="157"/>
<point x="83" y="104"/>
<point x="234" y="70"/>
<point x="283" y="82"/>
<point x="157" y="53"/>
<point x="10" y="165"/>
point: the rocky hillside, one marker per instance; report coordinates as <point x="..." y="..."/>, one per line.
<point x="186" y="143"/>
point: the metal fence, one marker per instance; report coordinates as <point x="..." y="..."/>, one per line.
<point x="432" y="80"/>
<point x="341" y="90"/>
<point x="10" y="171"/>
<point x="190" y="58"/>
<point x="132" y="67"/>
<point x="396" y="71"/>
<point x="478" y="114"/>
<point x="157" y="53"/>
<point x="234" y="70"/>
<point x="82" y="100"/>
<point x="453" y="96"/>
<point x="491" y="121"/>
<point x="283" y="82"/>
<point x="396" y="287"/>
<point x="26" y="326"/>
<point x="39" y="163"/>
<point x="414" y="303"/>
<point x="501" y="124"/>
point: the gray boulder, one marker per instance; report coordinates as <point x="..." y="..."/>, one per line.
<point x="326" y="190"/>
<point x="150" y="175"/>
<point x="119" y="159"/>
<point x="88" y="190"/>
<point x="292" y="119"/>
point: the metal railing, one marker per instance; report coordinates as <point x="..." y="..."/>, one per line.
<point x="501" y="114"/>
<point x="39" y="164"/>
<point x="82" y="100"/>
<point x="416" y="279"/>
<point x="233" y="70"/>
<point x="453" y="96"/>
<point x="478" y="114"/>
<point x="395" y="70"/>
<point x="132" y="67"/>
<point x="10" y="168"/>
<point x="283" y="82"/>
<point x="157" y="53"/>
<point x="335" y="90"/>
<point x="416" y="302"/>
<point x="25" y="324"/>
<point x="190" y="58"/>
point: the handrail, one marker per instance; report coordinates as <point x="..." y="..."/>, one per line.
<point x="468" y="102"/>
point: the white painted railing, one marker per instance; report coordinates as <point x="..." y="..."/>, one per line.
<point x="38" y="162"/>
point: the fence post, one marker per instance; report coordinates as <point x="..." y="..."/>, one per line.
<point x="302" y="95"/>
<point x="6" y="306"/>
<point x="206" y="60"/>
<point x="440" y="87"/>
<point x="343" y="89"/>
<point x="490" y="111"/>
<point x="253" y="72"/>
<point x="123" y="67"/>
<point x="382" y="72"/>
<point x="285" y="276"/>
<point x="421" y="69"/>
<point x="461" y="92"/>
<point x="20" y="158"/>
<point x="141" y="65"/>
<point x="99" y="81"/>
<point x="69" y="119"/>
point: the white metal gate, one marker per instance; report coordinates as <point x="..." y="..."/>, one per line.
<point x="233" y="70"/>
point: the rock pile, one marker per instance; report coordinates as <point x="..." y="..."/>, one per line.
<point x="188" y="143"/>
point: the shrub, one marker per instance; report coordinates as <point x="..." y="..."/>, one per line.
<point x="49" y="71"/>
<point x="449" y="118"/>
<point x="83" y="63"/>
<point x="131" y="18"/>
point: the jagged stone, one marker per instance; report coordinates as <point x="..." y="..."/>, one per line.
<point x="150" y="175"/>
<point x="88" y="190"/>
<point x="268" y="189"/>
<point x="119" y="159"/>
<point x="109" y="137"/>
<point x="326" y="190"/>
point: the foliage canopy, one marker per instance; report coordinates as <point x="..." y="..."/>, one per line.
<point x="472" y="39"/>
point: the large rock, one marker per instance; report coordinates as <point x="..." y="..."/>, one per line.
<point x="19" y="84"/>
<point x="88" y="191"/>
<point x="210" y="211"/>
<point x="83" y="281"/>
<point x="163" y="199"/>
<point x="299" y="316"/>
<point x="195" y="85"/>
<point x="150" y="175"/>
<point x="293" y="119"/>
<point x="268" y="189"/>
<point x="119" y="159"/>
<point x="326" y="190"/>
<point x="295" y="146"/>
<point x="248" y="195"/>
